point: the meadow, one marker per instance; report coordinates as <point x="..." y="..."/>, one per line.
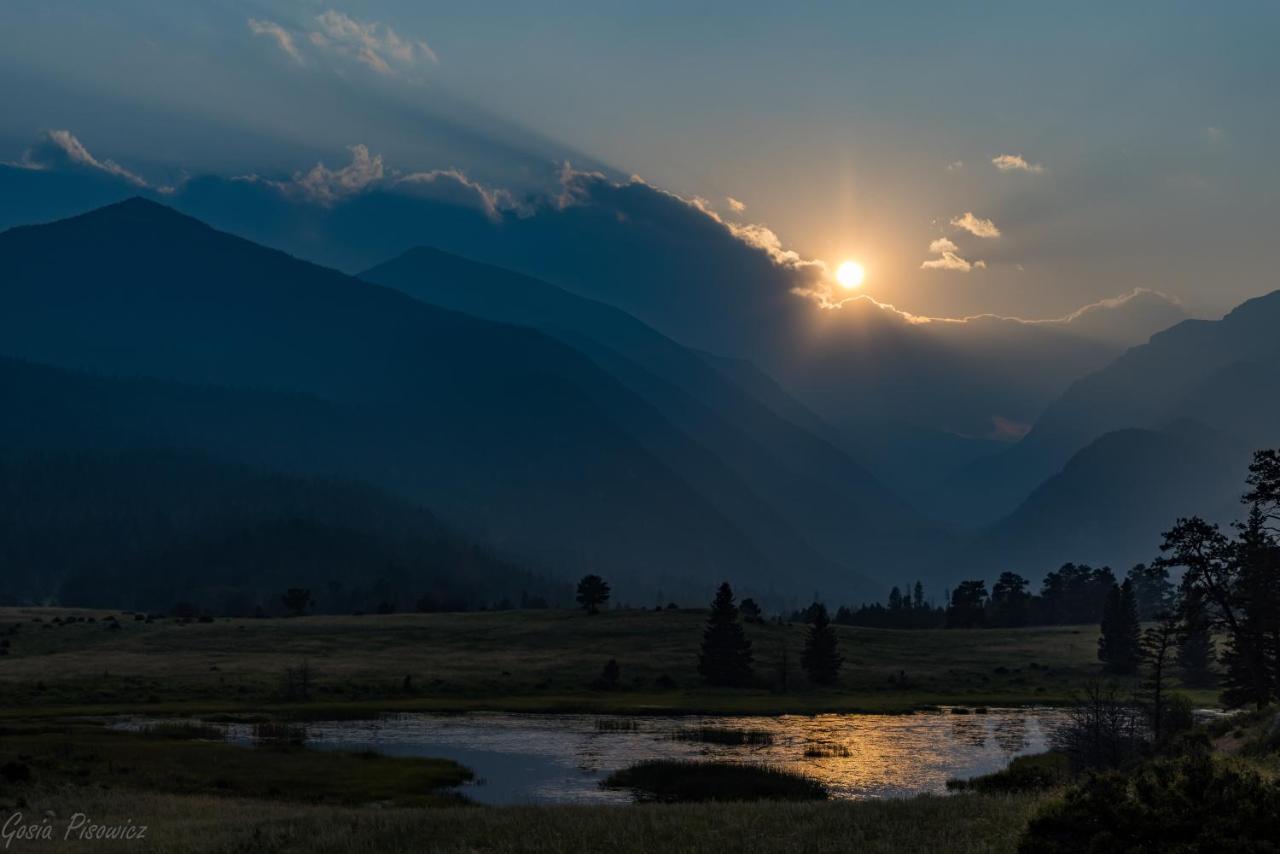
<point x="537" y="660"/>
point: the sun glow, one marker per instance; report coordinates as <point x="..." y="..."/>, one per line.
<point x="850" y="275"/>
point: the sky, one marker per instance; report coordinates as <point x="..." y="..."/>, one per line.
<point x="1012" y="158"/>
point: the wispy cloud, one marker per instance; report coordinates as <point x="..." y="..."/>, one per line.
<point x="1015" y="163"/>
<point x="336" y="34"/>
<point x="942" y="244"/>
<point x="282" y="37"/>
<point x="976" y="225"/>
<point x="376" y="45"/>
<point x="735" y="205"/>
<point x="494" y="201"/>
<point x="325" y="186"/>
<point x="955" y="165"/>
<point x="61" y="148"/>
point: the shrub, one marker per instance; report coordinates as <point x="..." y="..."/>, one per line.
<point x="1191" y="805"/>
<point x="1036" y="773"/>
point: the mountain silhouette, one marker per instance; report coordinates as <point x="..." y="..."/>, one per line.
<point x="501" y="430"/>
<point x="830" y="499"/>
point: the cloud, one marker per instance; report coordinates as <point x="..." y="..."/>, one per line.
<point x="952" y="261"/>
<point x="376" y="45"/>
<point x="326" y="186"/>
<point x="1015" y="163"/>
<point x="1007" y="429"/>
<point x="949" y="258"/>
<point x="955" y="165"/>
<point x="282" y="37"/>
<point x="735" y="205"/>
<point x="976" y="225"/>
<point x="1215" y="134"/>
<point x="60" y="148"/>
<point x="333" y="33"/>
<point x="454" y="185"/>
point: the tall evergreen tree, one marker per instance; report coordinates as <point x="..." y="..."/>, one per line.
<point x="968" y="605"/>
<point x="1152" y="590"/>
<point x="726" y="652"/>
<point x="1157" y="649"/>
<point x="1010" y="602"/>
<point x="821" y="658"/>
<point x="1250" y="657"/>
<point x="1195" y="639"/>
<point x="593" y="591"/>
<point x="1118" y="646"/>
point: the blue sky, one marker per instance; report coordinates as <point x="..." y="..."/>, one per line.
<point x="1138" y="139"/>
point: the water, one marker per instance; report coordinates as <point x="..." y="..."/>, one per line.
<point x="550" y="759"/>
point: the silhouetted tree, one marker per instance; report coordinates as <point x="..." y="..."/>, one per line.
<point x="1074" y="594"/>
<point x="1157" y="649"/>
<point x="750" y="611"/>
<point x="895" y="600"/>
<point x="1104" y="729"/>
<point x="917" y="598"/>
<point x="1152" y="591"/>
<point x="821" y="658"/>
<point x="1118" y="646"/>
<point x="1195" y="639"/>
<point x="726" y="652"/>
<point x="296" y="600"/>
<point x="1239" y="583"/>
<point x="968" y="605"/>
<point x="593" y="591"/>
<point x="1010" y="602"/>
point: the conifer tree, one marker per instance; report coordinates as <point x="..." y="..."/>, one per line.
<point x="1118" y="646"/>
<point x="593" y="591"/>
<point x="821" y="658"/>
<point x="726" y="652"/>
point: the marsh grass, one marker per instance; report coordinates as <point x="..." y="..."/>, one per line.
<point x="677" y="781"/>
<point x="73" y="754"/>
<point x="724" y="735"/>
<point x="826" y="751"/>
<point x="279" y="734"/>
<point x="181" y="824"/>
<point x="617" y="725"/>
<point x="184" y="730"/>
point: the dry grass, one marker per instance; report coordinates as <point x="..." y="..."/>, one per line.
<point x="968" y="824"/>
<point x="517" y="660"/>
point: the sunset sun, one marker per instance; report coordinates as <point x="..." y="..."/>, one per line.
<point x="850" y="274"/>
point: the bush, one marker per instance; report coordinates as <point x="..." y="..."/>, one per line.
<point x="1191" y="805"/>
<point x="666" y="780"/>
<point x="1037" y="773"/>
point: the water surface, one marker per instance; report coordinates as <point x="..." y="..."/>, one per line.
<point x="545" y="759"/>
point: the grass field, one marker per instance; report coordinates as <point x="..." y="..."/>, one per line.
<point x="511" y="660"/>
<point x="201" y="824"/>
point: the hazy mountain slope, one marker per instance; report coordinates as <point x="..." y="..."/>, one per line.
<point x="501" y="428"/>
<point x="1114" y="498"/>
<point x="830" y="499"/>
<point x="147" y="528"/>
<point x="1221" y="373"/>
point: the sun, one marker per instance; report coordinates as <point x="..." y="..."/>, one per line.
<point x="850" y="274"/>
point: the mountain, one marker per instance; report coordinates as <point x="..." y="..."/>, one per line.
<point x="499" y="429"/>
<point x="1222" y="373"/>
<point x="831" y="500"/>
<point x="1114" y="498"/>
<point x="1167" y="430"/>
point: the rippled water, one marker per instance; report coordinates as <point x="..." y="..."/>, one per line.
<point x="523" y="758"/>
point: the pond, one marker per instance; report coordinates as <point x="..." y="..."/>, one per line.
<point x="549" y="759"/>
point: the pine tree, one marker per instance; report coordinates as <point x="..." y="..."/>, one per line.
<point x="821" y="658"/>
<point x="1157" y="649"/>
<point x="726" y="652"/>
<point x="593" y="591"/>
<point x="1249" y="659"/>
<point x="1195" y="640"/>
<point x="1118" y="646"/>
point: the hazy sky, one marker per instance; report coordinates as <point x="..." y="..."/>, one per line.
<point x="1093" y="147"/>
